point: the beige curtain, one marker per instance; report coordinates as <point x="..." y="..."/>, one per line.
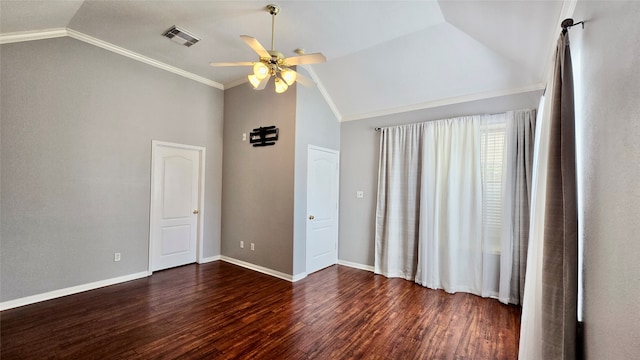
<point x="560" y="249"/>
<point x="432" y="223"/>
<point x="519" y="165"/>
<point x="549" y="311"/>
<point x="398" y="205"/>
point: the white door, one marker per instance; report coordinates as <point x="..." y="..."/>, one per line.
<point x="322" y="208"/>
<point x="177" y="184"/>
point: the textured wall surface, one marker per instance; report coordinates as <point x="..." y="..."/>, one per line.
<point x="77" y="123"/>
<point x="606" y="58"/>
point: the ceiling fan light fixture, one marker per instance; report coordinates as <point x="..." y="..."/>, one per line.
<point x="281" y="86"/>
<point x="260" y="70"/>
<point x="274" y="63"/>
<point x="288" y="75"/>
<point x="258" y="84"/>
<point x="254" y="81"/>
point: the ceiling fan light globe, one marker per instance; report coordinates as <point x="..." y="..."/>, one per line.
<point x="289" y="76"/>
<point x="281" y="86"/>
<point x="260" y="70"/>
<point x="254" y="81"/>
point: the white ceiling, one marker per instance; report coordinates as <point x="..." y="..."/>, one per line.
<point x="382" y="56"/>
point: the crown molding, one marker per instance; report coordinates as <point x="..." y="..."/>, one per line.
<point x="21" y="36"/>
<point x="445" y="102"/>
<point x="147" y="60"/>
<point x="8" y="38"/>
<point x="323" y="91"/>
<point x="235" y="83"/>
<point x="62" y="32"/>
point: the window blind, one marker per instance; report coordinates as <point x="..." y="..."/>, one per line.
<point x="493" y="136"/>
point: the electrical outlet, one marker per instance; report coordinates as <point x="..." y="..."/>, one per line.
<point x="253" y="247"/>
<point x="116" y="257"/>
<point x="241" y="244"/>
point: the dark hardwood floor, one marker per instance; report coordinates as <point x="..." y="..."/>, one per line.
<point x="222" y="311"/>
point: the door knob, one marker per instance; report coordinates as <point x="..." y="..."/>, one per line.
<point x="311" y="217"/>
<point x="196" y="212"/>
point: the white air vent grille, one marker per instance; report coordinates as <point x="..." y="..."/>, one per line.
<point x="181" y="36"/>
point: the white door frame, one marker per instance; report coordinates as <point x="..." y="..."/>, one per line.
<point x="336" y="152"/>
<point x="200" y="227"/>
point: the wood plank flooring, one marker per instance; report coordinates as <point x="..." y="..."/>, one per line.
<point x="222" y="311"/>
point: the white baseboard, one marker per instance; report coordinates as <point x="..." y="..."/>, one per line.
<point x="298" y="277"/>
<point x="264" y="270"/>
<point x="209" y="259"/>
<point x="10" y="304"/>
<point x="356" y="265"/>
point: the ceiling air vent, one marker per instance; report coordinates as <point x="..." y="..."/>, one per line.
<point x="181" y="36"/>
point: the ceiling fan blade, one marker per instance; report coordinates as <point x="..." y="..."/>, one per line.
<point x="303" y="80"/>
<point x="305" y="59"/>
<point x="237" y="63"/>
<point x="256" y="46"/>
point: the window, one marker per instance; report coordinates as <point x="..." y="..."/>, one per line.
<point x="493" y="142"/>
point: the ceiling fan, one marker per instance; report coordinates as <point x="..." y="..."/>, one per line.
<point x="273" y="63"/>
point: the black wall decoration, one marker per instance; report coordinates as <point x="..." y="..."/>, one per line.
<point x="264" y="136"/>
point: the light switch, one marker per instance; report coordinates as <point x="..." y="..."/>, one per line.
<point x="244" y="136"/>
<point x="359" y="194"/>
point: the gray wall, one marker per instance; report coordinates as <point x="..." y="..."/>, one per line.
<point x="257" y="200"/>
<point x="77" y="123"/>
<point x="265" y="189"/>
<point x="315" y="125"/>
<point x="606" y="58"/>
<point x="359" y="167"/>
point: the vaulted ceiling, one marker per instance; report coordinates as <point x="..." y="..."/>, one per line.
<point x="382" y="56"/>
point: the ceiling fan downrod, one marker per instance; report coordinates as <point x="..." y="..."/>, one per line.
<point x="273" y="10"/>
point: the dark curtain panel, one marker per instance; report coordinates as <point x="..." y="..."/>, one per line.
<point x="560" y="257"/>
<point x="524" y="137"/>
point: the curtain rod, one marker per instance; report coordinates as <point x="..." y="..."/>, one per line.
<point x="568" y="23"/>
<point x="378" y="128"/>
